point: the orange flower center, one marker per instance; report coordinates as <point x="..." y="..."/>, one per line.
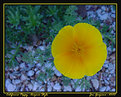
<point x="77" y="49"/>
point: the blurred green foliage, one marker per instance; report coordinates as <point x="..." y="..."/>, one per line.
<point x="23" y="22"/>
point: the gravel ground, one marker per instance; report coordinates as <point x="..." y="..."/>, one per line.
<point x="21" y="79"/>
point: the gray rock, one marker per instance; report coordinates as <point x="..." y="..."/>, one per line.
<point x="106" y="82"/>
<point x="75" y="80"/>
<point x="35" y="86"/>
<point x="7" y="82"/>
<point x="22" y="65"/>
<point x="57" y="72"/>
<point x="12" y="76"/>
<point x="49" y="88"/>
<point x="104" y="16"/>
<point x="113" y="15"/>
<point x="11" y="87"/>
<point x="43" y="69"/>
<point x="30" y="86"/>
<point x="38" y="72"/>
<point x="102" y="89"/>
<point x="108" y="88"/>
<point x="67" y="88"/>
<point x="113" y="90"/>
<point x="48" y="64"/>
<point x="39" y="65"/>
<point x="41" y="89"/>
<point x="17" y="81"/>
<point x="35" y="69"/>
<point x="105" y="65"/>
<point x="78" y="89"/>
<point x="16" y="68"/>
<point x="53" y="68"/>
<point x="42" y="48"/>
<point x="57" y="86"/>
<point x="95" y="83"/>
<point x="23" y="77"/>
<point x="103" y="8"/>
<point x="30" y="73"/>
<point x="13" y="51"/>
<point x="112" y="71"/>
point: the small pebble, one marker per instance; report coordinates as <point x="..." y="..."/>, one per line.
<point x="108" y="88"/>
<point x="30" y="86"/>
<point x="17" y="81"/>
<point x="78" y="89"/>
<point x="57" y="86"/>
<point x="30" y="73"/>
<point x="35" y="86"/>
<point x="42" y="48"/>
<point x="102" y="89"/>
<point x="22" y="65"/>
<point x="67" y="88"/>
<point x="113" y="90"/>
<point x="57" y="73"/>
<point x="23" y="77"/>
<point x="39" y="65"/>
<point x="95" y="83"/>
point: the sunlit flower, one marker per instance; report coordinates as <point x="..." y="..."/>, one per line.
<point x="79" y="51"/>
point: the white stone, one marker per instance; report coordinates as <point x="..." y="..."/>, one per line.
<point x="57" y="86"/>
<point x="39" y="65"/>
<point x="78" y="89"/>
<point x="67" y="88"/>
<point x="95" y="83"/>
<point x="57" y="73"/>
<point x="102" y="89"/>
<point x="35" y="86"/>
<point x="103" y="7"/>
<point x="112" y="71"/>
<point x="13" y="51"/>
<point x="53" y="68"/>
<point x="12" y="76"/>
<point x="75" y="80"/>
<point x="30" y="73"/>
<point x="23" y="77"/>
<point x="35" y="69"/>
<point x="108" y="88"/>
<point x="38" y="72"/>
<point x="99" y="11"/>
<point x="42" y="47"/>
<point x="113" y="15"/>
<point x="48" y="64"/>
<point x="43" y="68"/>
<point x="49" y="88"/>
<point x="29" y="48"/>
<point x="11" y="87"/>
<point x="42" y="89"/>
<point x="113" y="90"/>
<point x="7" y="82"/>
<point x="22" y="65"/>
<point x="16" y="68"/>
<point x="52" y="84"/>
<point x="106" y="82"/>
<point x="17" y="81"/>
<point x="30" y="86"/>
<point x="104" y="16"/>
<point x="109" y="75"/>
<point x="105" y="65"/>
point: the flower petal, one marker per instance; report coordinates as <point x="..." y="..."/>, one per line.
<point x="96" y="57"/>
<point x="62" y="41"/>
<point x="69" y="65"/>
<point x="86" y="33"/>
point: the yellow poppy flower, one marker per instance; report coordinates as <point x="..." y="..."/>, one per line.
<point x="78" y="51"/>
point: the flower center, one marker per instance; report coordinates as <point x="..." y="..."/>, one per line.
<point x="77" y="49"/>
